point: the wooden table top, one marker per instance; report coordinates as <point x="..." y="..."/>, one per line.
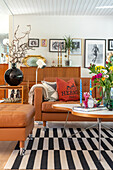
<point x="92" y="114"/>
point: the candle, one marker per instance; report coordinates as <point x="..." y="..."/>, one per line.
<point x="58" y="54"/>
<point x="80" y="91"/>
<point x="58" y="48"/>
<point x="90" y="88"/>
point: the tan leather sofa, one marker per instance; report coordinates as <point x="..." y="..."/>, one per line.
<point x="16" y="122"/>
<point x="44" y="111"/>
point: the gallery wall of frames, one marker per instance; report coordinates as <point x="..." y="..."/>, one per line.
<point x="92" y="36"/>
<point x="94" y="49"/>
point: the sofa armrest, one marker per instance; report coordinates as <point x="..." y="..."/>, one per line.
<point x="38" y="98"/>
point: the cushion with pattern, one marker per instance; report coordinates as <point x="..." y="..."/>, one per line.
<point x="51" y="89"/>
<point x="67" y="90"/>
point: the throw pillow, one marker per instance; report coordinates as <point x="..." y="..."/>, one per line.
<point x="51" y="90"/>
<point x="67" y="90"/>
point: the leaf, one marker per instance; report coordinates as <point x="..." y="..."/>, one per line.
<point x="69" y="43"/>
<point x="100" y="93"/>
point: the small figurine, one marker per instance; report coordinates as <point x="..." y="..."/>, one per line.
<point x="18" y="94"/>
<point x="53" y="64"/>
<point x="86" y="96"/>
<point x="90" y="102"/>
<point x="12" y="94"/>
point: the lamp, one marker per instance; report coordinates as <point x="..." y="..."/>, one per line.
<point x="5" y="41"/>
<point x="40" y="64"/>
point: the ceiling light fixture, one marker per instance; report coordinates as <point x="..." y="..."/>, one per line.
<point x="104" y="7"/>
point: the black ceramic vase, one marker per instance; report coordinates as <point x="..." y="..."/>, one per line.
<point x="13" y="76"/>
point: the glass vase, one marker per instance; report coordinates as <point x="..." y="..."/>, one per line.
<point x="108" y="98"/>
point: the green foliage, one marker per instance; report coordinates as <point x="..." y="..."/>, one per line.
<point x="100" y="93"/>
<point x="69" y="45"/>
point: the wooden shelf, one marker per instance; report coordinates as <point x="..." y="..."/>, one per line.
<point x="21" y="88"/>
<point x="10" y="87"/>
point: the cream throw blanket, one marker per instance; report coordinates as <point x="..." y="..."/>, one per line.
<point x="31" y="93"/>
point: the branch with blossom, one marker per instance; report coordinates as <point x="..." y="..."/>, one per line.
<point x="17" y="49"/>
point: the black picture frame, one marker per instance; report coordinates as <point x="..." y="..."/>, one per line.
<point x="53" y="45"/>
<point x="110" y="44"/>
<point x="33" y="42"/>
<point x="94" y="52"/>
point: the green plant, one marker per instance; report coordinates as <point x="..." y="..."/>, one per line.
<point x="69" y="45"/>
<point x="103" y="77"/>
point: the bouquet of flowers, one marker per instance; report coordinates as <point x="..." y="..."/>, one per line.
<point x="103" y="77"/>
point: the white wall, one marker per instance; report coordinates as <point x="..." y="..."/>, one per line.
<point x="4" y="23"/>
<point x="49" y="27"/>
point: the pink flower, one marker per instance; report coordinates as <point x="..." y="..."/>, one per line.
<point x="99" y="75"/>
<point x="94" y="77"/>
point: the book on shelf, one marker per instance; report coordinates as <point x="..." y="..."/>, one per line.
<point x="79" y="108"/>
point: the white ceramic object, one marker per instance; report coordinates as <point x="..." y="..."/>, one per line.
<point x="90" y="102"/>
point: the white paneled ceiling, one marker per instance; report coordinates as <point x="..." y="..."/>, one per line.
<point x="57" y="7"/>
<point x="3" y="8"/>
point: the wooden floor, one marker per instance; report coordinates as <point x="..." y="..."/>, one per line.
<point x="6" y="147"/>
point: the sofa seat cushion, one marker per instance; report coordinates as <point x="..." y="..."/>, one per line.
<point x="47" y="106"/>
<point x="16" y="115"/>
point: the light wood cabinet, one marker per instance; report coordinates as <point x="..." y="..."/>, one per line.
<point x="3" y="68"/>
<point x="23" y="93"/>
<point x="30" y="73"/>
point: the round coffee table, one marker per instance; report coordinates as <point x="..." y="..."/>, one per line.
<point x="99" y="114"/>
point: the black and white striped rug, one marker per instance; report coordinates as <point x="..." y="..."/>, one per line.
<point x="48" y="150"/>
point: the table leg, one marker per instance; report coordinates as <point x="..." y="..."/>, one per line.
<point x="99" y="129"/>
<point x="83" y="130"/>
<point x="107" y="127"/>
<point x="65" y="123"/>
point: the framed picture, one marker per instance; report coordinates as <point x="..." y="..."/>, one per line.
<point x="33" y="42"/>
<point x="77" y="44"/>
<point x="95" y="52"/>
<point x="110" y="44"/>
<point x="56" y="45"/>
<point x="44" y="42"/>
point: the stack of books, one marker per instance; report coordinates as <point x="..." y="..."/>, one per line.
<point x="79" y="108"/>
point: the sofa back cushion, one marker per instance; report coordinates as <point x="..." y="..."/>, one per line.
<point x="67" y="90"/>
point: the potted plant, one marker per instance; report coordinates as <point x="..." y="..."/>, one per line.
<point x="69" y="45"/>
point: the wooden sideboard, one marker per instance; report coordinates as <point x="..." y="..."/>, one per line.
<point x="30" y="73"/>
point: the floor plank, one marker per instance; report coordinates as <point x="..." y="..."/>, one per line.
<point x="6" y="147"/>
